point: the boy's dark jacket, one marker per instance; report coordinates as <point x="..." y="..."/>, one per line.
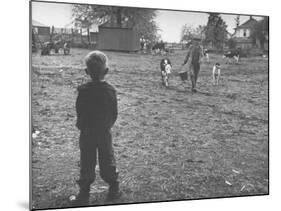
<point x="96" y="107"/>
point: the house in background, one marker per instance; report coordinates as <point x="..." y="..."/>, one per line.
<point x="41" y="31"/>
<point x="242" y="36"/>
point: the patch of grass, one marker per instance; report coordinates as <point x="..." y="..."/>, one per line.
<point x="169" y="144"/>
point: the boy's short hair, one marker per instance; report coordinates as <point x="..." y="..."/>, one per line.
<point x="217" y="64"/>
<point x="96" y="61"/>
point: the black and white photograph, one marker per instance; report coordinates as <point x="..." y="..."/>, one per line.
<point x="135" y="105"/>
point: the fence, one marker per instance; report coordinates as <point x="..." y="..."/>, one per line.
<point x="78" y="37"/>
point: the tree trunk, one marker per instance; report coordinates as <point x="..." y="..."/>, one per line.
<point x="52" y="32"/>
<point x="72" y="36"/>
<point x="119" y="17"/>
<point x="88" y="34"/>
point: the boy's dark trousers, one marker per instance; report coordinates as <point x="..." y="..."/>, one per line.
<point x="91" y="144"/>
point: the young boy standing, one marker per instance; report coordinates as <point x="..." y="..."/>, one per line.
<point x="96" y="108"/>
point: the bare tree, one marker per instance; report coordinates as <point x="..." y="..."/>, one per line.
<point x="188" y="32"/>
<point x="237" y="20"/>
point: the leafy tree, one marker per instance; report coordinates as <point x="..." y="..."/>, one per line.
<point x="216" y="33"/>
<point x="141" y="19"/>
<point x="188" y="32"/>
<point x="260" y="31"/>
<point x="144" y="23"/>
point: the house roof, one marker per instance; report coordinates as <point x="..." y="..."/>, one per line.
<point x="248" y="24"/>
<point x="36" y="23"/>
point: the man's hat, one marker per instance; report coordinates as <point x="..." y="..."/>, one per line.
<point x="196" y="38"/>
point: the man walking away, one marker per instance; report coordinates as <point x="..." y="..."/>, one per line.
<point x="193" y="59"/>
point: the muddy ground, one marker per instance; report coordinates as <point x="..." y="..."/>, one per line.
<point x="169" y="144"/>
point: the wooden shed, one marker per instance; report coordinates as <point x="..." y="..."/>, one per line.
<point x="118" y="38"/>
<point x="242" y="34"/>
<point x="41" y="31"/>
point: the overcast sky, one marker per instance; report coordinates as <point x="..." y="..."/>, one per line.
<point x="169" y="22"/>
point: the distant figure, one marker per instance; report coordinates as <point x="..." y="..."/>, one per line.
<point x="66" y="48"/>
<point x="142" y="42"/>
<point x="216" y="74"/>
<point x="54" y="45"/>
<point x="193" y="58"/>
<point x="46" y="48"/>
<point x="96" y="108"/>
<point x="206" y="54"/>
<point x="57" y="45"/>
<point x="147" y="46"/>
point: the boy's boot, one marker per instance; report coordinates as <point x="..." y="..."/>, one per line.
<point x="113" y="191"/>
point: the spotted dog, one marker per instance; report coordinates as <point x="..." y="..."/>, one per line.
<point x="165" y="67"/>
<point x="216" y="74"/>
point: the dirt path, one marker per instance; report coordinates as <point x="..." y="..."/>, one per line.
<point x="169" y="143"/>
